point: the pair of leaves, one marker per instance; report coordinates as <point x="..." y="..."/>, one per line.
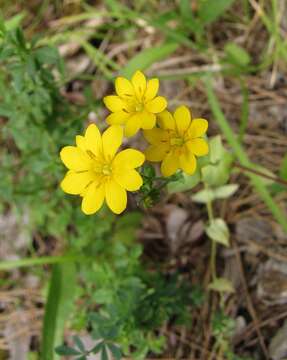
<point x="101" y="348"/>
<point x="208" y="195"/>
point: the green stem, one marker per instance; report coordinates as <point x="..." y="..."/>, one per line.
<point x="44" y="260"/>
<point x="256" y="181"/>
<point x="213" y="243"/>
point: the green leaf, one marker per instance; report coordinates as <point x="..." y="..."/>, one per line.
<point x="204" y="196"/>
<point x="186" y="183"/>
<point x="216" y="149"/>
<point x="66" y="350"/>
<point x="58" y="307"/>
<point x="215" y="175"/>
<point x="47" y="55"/>
<point x="236" y="54"/>
<point x="224" y="192"/>
<point x="97" y="348"/>
<point x="188" y="18"/>
<point x="218" y="231"/>
<point x="115" y="350"/>
<point x="104" y="353"/>
<point x="15" y="21"/>
<point x="103" y="296"/>
<point x="210" y="10"/>
<point x="147" y="57"/>
<point x="79" y="343"/>
<point x="221" y="285"/>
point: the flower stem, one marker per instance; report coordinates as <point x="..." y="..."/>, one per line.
<point x="213" y="243"/>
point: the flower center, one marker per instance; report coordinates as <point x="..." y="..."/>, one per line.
<point x="139" y="107"/>
<point x="177" y="141"/>
<point x="107" y="170"/>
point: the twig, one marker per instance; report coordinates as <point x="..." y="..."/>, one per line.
<point x="259" y="173"/>
<point x="249" y="301"/>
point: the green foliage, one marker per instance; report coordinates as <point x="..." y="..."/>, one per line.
<point x="132" y="303"/>
<point x="82" y="353"/>
<point x="207" y="12"/>
<point x="223" y="328"/>
<point x="38" y="122"/>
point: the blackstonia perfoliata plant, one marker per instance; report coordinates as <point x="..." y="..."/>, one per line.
<point x="98" y="172"/>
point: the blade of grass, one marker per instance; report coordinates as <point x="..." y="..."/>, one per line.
<point x="241" y="155"/>
<point x="44" y="260"/>
<point x="99" y="59"/>
<point x="58" y="307"/>
<point x="244" y="111"/>
<point x="147" y="57"/>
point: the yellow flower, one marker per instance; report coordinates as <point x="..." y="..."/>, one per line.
<point x="177" y="141"/>
<point x="135" y="104"/>
<point x="97" y="172"/>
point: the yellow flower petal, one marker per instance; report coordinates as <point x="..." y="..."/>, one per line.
<point x="128" y="158"/>
<point x="169" y="164"/>
<point x="139" y="84"/>
<point x="198" y="147"/>
<point x="93" y="140"/>
<point x="112" y="140"/>
<point x="75" y="159"/>
<point x="156" y="105"/>
<point x="198" y="127"/>
<point x="182" y="118"/>
<point x="133" y="125"/>
<point x="93" y="198"/>
<point x="116" y="196"/>
<point x="166" y="120"/>
<point x="151" y="89"/>
<point x="129" y="179"/>
<point x="81" y="142"/>
<point x="148" y="120"/>
<point x="117" y="118"/>
<point x="156" y="152"/>
<point x="114" y="103"/>
<point x="187" y="162"/>
<point x="124" y="87"/>
<point x="75" y="182"/>
<point x="156" y="135"/>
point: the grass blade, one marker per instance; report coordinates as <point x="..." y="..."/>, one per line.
<point x="147" y="57"/>
<point x="58" y="307"/>
<point x="38" y="261"/>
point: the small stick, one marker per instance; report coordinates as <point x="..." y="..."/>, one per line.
<point x="259" y="173"/>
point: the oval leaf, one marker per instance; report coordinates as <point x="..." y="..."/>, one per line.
<point x="225" y="191"/>
<point x="218" y="231"/>
<point x="221" y="285"/>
